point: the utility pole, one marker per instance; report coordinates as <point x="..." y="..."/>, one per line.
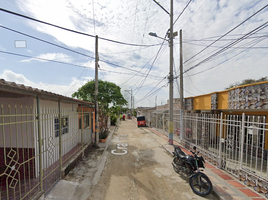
<point x="96" y="93"/>
<point x="155" y="101"/>
<point x="131" y="103"/>
<point x="170" y="77"/>
<point x="181" y="89"/>
<point x="170" y="127"/>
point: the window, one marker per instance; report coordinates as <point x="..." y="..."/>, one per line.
<point x="64" y="125"/>
<point x="86" y="121"/>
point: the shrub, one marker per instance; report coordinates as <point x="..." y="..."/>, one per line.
<point x="113" y="120"/>
<point x="103" y="135"/>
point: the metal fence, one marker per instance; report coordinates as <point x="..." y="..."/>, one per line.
<point x="235" y="143"/>
<point x="36" y="145"/>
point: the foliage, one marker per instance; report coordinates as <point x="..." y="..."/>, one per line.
<point x="108" y="94"/>
<point x="103" y="135"/>
<point x="135" y="113"/>
<point x="247" y="81"/>
<point x="113" y="119"/>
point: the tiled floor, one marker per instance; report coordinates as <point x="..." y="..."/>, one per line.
<point x="225" y="185"/>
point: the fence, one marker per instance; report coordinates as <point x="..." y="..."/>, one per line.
<point x="36" y="145"/>
<point x="235" y="143"/>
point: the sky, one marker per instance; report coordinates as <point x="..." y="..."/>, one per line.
<point x="223" y="42"/>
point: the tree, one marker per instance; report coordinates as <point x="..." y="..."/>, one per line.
<point x="109" y="94"/>
<point x="247" y="81"/>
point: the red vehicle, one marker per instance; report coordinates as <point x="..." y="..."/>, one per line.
<point x="141" y="121"/>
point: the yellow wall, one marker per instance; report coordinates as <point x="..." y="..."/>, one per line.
<point x="202" y="102"/>
<point x="223" y="100"/>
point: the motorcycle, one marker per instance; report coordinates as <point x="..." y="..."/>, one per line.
<point x="190" y="164"/>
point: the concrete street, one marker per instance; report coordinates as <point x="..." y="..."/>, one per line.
<point x="140" y="168"/>
<point x="134" y="166"/>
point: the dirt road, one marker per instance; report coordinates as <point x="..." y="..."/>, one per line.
<point x="139" y="168"/>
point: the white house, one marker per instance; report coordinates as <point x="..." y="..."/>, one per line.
<point x="33" y="153"/>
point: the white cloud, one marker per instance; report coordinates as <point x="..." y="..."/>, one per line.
<point x="50" y="56"/>
<point x="2" y="48"/>
<point x="65" y="90"/>
<point x="130" y="21"/>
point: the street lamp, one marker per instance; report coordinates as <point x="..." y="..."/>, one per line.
<point x="155" y="35"/>
<point x="170" y="77"/>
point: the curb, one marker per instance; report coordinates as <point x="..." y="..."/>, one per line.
<point x="102" y="160"/>
<point x="222" y="188"/>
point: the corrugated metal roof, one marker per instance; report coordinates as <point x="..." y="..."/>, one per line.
<point x="13" y="87"/>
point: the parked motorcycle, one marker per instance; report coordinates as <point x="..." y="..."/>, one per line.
<point x="190" y="164"/>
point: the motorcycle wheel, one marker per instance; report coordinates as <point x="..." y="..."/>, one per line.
<point x="177" y="162"/>
<point x="202" y="189"/>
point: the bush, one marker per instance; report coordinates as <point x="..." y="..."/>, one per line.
<point x="113" y="120"/>
<point x="103" y="135"/>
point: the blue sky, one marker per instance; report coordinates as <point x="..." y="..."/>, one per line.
<point x="130" y="21"/>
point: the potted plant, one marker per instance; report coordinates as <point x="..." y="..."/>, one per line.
<point x="103" y="136"/>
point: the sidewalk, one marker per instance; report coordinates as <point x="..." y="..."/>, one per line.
<point x="78" y="183"/>
<point x="226" y="186"/>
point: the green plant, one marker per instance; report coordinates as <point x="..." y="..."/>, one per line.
<point x="103" y="135"/>
<point x="113" y="120"/>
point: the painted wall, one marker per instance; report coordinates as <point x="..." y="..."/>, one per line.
<point x="202" y="102"/>
<point x="14" y="133"/>
<point x="223" y="100"/>
<point x="70" y="139"/>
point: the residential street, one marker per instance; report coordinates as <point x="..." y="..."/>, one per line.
<point x="143" y="171"/>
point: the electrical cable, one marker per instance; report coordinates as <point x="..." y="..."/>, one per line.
<point x="182" y="11"/>
<point x="264" y="25"/>
<point x="58" y="46"/>
<point x="93" y="15"/>
<point x="256" y="41"/>
<point x="152" y="76"/>
<point x="137" y="72"/>
<point x="73" y="85"/>
<point x="152" y="63"/>
<point x="44" y="59"/>
<point x="149" y="95"/>
<point x="21" y="55"/>
<point x="227" y="32"/>
<point x="73" y="31"/>
<point x="156" y="58"/>
<point x="211" y="38"/>
<point x="46" y="42"/>
<point x="194" y="13"/>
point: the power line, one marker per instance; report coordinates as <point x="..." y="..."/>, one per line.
<point x="73" y="31"/>
<point x="93" y="15"/>
<point x="154" y="92"/>
<point x="227" y="33"/>
<point x="137" y="72"/>
<point x="44" y="59"/>
<point x="194" y="13"/>
<point x="211" y="38"/>
<point x="182" y="11"/>
<point x="256" y="41"/>
<point x="232" y="47"/>
<point x="153" y="76"/>
<point x="59" y="47"/>
<point x="264" y="25"/>
<point x="152" y="63"/>
<point x="74" y="84"/>
<point x="46" y="41"/>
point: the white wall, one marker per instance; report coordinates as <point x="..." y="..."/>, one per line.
<point x="49" y="112"/>
<point x="16" y="117"/>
